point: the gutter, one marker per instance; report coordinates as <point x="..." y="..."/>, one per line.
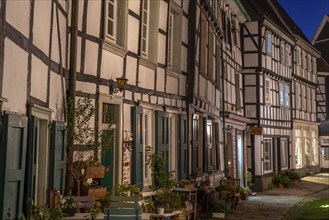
<point x="243" y="9"/>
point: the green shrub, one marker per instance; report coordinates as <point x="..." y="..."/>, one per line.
<point x="279" y="178"/>
<point x="222" y="187"/>
<point x="271" y="186"/>
<point x="165" y="198"/>
<point x="291" y="175"/>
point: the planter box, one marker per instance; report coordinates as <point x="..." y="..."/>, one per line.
<point x="97" y="193"/>
<point x="95" y="172"/>
<point x="218" y="215"/>
<point x="189" y="186"/>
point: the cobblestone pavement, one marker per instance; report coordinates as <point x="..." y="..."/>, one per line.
<point x="283" y="203"/>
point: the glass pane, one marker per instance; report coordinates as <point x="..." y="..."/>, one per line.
<point x="111" y="11"/>
<point x="145" y="4"/>
<point x="110" y="27"/>
<point x="144" y="31"/>
<point x="145" y="17"/>
<point x="144" y="45"/>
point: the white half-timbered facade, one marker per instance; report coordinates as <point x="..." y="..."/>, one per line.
<point x="33" y="64"/>
<point x="321" y="42"/>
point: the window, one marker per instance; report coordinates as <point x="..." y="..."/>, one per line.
<point x="174" y="38"/>
<point x="267" y="155"/>
<point x="282" y="52"/>
<point x="145" y="26"/>
<point x="284" y="94"/>
<point x="218" y="64"/>
<point x="267" y="90"/>
<point x="237" y="91"/>
<point x="308" y="99"/>
<point x="297" y="95"/>
<point x="303" y="101"/>
<point x="286" y="56"/>
<point x="147" y="137"/>
<point x="115" y="19"/>
<point x="234" y="31"/>
<point x="315" y="154"/>
<point x="229" y="32"/>
<point x="325" y="152"/>
<point x="170" y="38"/>
<point x="211" y="61"/>
<point x="298" y="56"/>
<point x="284" y="153"/>
<point x="313" y="101"/>
<point x="269" y="42"/>
<point x="203" y="45"/>
<point x="298" y="149"/>
<point x="108" y="114"/>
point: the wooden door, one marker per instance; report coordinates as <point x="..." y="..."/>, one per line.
<point x="108" y="157"/>
<point x="13" y="151"/>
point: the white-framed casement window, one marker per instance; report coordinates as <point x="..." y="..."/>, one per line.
<point x="267" y="155"/>
<point x="203" y="45"/>
<point x="308" y="99"/>
<point x="313" y="101"/>
<point x="268" y="42"/>
<point x="298" y="60"/>
<point x="174" y="37"/>
<point x="298" y="149"/>
<point x="149" y="29"/>
<point x="286" y="95"/>
<point x="115" y="21"/>
<point x="315" y="148"/>
<point x="286" y="55"/>
<point x="267" y="90"/>
<point x="148" y="141"/>
<point x="211" y="55"/>
<point x="284" y="153"/>
<point x="282" y="52"/>
<point x="234" y="30"/>
<point x="297" y="95"/>
<point x="303" y="101"/>
<point x="218" y="62"/>
<point x="281" y="93"/>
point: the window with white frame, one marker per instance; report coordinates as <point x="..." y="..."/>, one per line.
<point x="218" y="63"/>
<point x="298" y="149"/>
<point x="315" y="149"/>
<point x="284" y="153"/>
<point x="313" y="101"/>
<point x="267" y="155"/>
<point x="282" y="52"/>
<point x="147" y="137"/>
<point x="286" y="94"/>
<point x="286" y="55"/>
<point x="308" y="99"/>
<point x="234" y="31"/>
<point x="115" y="21"/>
<point x="203" y="45"/>
<point x="303" y="101"/>
<point x="281" y="93"/>
<point x="174" y="37"/>
<point x="211" y="55"/>
<point x="145" y="26"/>
<point x="267" y="90"/>
<point x="298" y="60"/>
<point x="268" y="42"/>
<point x="297" y="95"/>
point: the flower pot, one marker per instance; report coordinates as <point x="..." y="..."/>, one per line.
<point x="189" y="186"/>
<point x="296" y="182"/>
<point x="160" y="211"/>
<point x="70" y="212"/>
<point x="218" y="215"/>
<point x="97" y="193"/>
<point x="280" y="186"/>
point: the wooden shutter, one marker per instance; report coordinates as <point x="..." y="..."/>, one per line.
<point x="182" y="157"/>
<point x="57" y="156"/>
<point x="195" y="143"/>
<point x="162" y="134"/>
<point x="137" y="165"/>
<point x="31" y="158"/>
<point x="12" y="165"/>
<point x="217" y="144"/>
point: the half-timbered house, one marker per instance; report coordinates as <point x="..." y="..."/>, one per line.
<point x="33" y="48"/>
<point x="321" y="42"/>
<point x="214" y="90"/>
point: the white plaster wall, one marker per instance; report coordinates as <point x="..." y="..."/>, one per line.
<point x="91" y="58"/>
<point x="184" y="59"/>
<point x="41" y="25"/>
<point x="131" y="68"/>
<point x="160" y="79"/>
<point x="250" y="60"/>
<point x="134" y="6"/>
<point x="182" y="85"/>
<point x="14" y="78"/>
<point x="81" y="5"/>
<point x="93" y="17"/>
<point x="39" y="79"/>
<point x="146" y="77"/>
<point x="86" y="87"/>
<point x="112" y="65"/>
<point x="252" y="27"/>
<point x="132" y="34"/>
<point x="55" y="43"/>
<point x="56" y="96"/>
<point x="162" y="49"/>
<point x="163" y="15"/>
<point x="18" y="15"/>
<point x="104" y="89"/>
<point x="172" y="85"/>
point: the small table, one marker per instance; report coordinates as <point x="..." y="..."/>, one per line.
<point x="164" y="216"/>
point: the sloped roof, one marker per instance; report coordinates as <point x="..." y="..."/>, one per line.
<point x="322" y="65"/>
<point x="320" y="35"/>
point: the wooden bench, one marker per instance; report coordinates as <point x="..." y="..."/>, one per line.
<point x="123" y="208"/>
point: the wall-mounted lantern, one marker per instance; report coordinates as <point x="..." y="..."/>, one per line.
<point x="121" y="83"/>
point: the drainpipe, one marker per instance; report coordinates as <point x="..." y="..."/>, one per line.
<point x="71" y="97"/>
<point x="223" y="107"/>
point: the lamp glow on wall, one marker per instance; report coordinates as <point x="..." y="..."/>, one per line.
<point x="121" y="83"/>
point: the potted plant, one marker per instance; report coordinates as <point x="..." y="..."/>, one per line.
<point x="220" y="209"/>
<point x="278" y="181"/>
<point x="186" y="184"/>
<point x="168" y="200"/>
<point x="293" y="175"/>
<point x="69" y="206"/>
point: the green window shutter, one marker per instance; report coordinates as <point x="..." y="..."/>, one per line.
<point x="162" y="134"/>
<point x="107" y="160"/>
<point x="57" y="156"/>
<point x="12" y="165"/>
<point x="182" y="156"/>
<point x="138" y="149"/>
<point x="31" y="158"/>
<point x="195" y="143"/>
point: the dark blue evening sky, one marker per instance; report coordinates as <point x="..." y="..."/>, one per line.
<point x="307" y="14"/>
